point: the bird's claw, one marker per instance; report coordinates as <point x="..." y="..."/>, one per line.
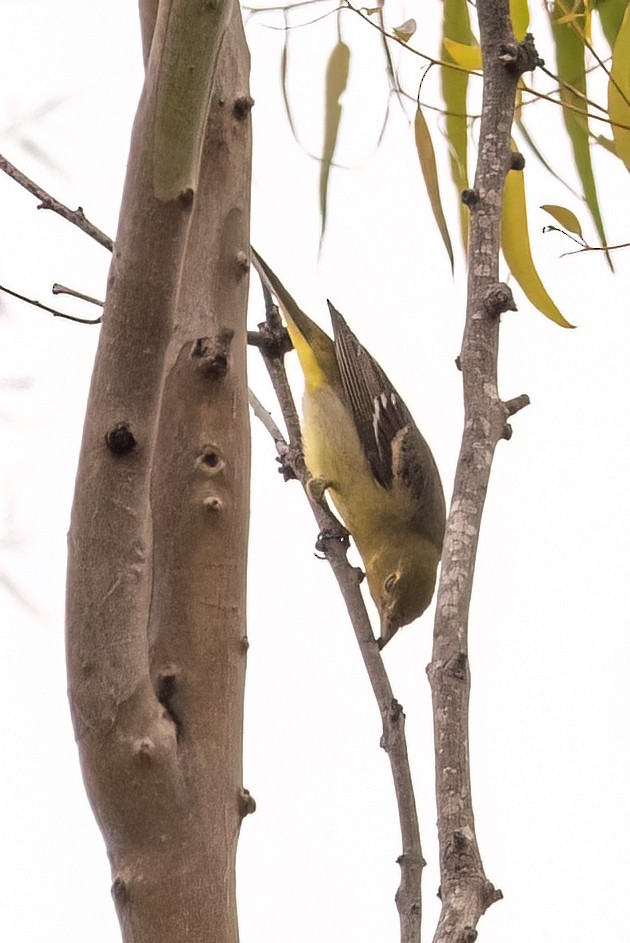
<point x="335" y="532"/>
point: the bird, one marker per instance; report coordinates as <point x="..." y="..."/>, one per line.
<point x="363" y="448"/>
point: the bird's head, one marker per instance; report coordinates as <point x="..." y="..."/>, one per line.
<point x="401" y="581"/>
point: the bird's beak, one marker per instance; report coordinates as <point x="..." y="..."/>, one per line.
<point x="388" y="630"/>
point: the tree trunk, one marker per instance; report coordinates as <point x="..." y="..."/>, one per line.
<point x="156" y="637"/>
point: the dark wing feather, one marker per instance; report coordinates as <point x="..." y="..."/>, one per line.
<point x="392" y="443"/>
<point x="379" y="413"/>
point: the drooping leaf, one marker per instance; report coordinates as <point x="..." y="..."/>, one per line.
<point x="619" y="92"/>
<point x="517" y="250"/>
<point x="519" y="14"/>
<point x="406" y="30"/>
<point x="567" y="219"/>
<point x="426" y="154"/>
<point x="611" y="16"/>
<point x="456" y="26"/>
<point x="468" y="57"/>
<point x="284" y="69"/>
<point x="569" y="41"/>
<point x="337" y="72"/>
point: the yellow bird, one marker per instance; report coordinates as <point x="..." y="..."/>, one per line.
<point x="363" y="447"/>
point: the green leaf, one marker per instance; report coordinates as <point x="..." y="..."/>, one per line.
<point x="611" y="16"/>
<point x="619" y="91"/>
<point x="336" y="80"/>
<point x="568" y="38"/>
<point x="456" y="26"/>
<point x="567" y="219"/>
<point x="519" y="14"/>
<point x="517" y="250"/>
<point x="606" y="143"/>
<point x="426" y="154"/>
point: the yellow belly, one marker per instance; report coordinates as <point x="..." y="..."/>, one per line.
<point x="333" y="454"/>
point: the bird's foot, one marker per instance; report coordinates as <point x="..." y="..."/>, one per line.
<point x="336" y="532"/>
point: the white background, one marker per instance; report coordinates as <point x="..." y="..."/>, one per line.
<point x="550" y="614"/>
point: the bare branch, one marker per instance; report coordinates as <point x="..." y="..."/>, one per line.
<point x="53" y="311"/>
<point x="621" y="245"/>
<point x="513" y="406"/>
<point x="267" y="420"/>
<point x="466" y="892"/>
<point x="58" y="289"/>
<point x="333" y="542"/>
<point x="76" y="217"/>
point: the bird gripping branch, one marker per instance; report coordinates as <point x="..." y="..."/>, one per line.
<point x="363" y="447"/>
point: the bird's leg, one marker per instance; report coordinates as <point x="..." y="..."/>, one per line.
<point x="316" y="489"/>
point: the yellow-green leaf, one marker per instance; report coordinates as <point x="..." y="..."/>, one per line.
<point x="606" y="143"/>
<point x="456" y="26"/>
<point x="517" y="250"/>
<point x="468" y="57"/>
<point x="406" y="30"/>
<point x="519" y="14"/>
<point x="336" y="80"/>
<point x="569" y="41"/>
<point x="611" y="17"/>
<point x="619" y="91"/>
<point x="567" y="219"/>
<point x="426" y="154"/>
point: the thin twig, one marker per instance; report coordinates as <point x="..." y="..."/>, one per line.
<point x="621" y="245"/>
<point x="58" y="289"/>
<point x="53" y="311"/>
<point x="76" y="217"/>
<point x="570" y="235"/>
<point x="264" y="416"/>
<point x="571" y="88"/>
<point x="294" y="26"/>
<point x="333" y="542"/>
<point x="416" y="52"/>
<point x="284" y="8"/>
<point x="579" y="111"/>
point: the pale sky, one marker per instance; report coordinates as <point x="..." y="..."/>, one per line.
<point x="550" y="615"/>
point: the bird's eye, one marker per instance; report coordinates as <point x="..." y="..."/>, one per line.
<point x="390" y="582"/>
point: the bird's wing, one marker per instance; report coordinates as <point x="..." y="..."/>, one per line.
<point x="393" y="445"/>
<point x="379" y="413"/>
